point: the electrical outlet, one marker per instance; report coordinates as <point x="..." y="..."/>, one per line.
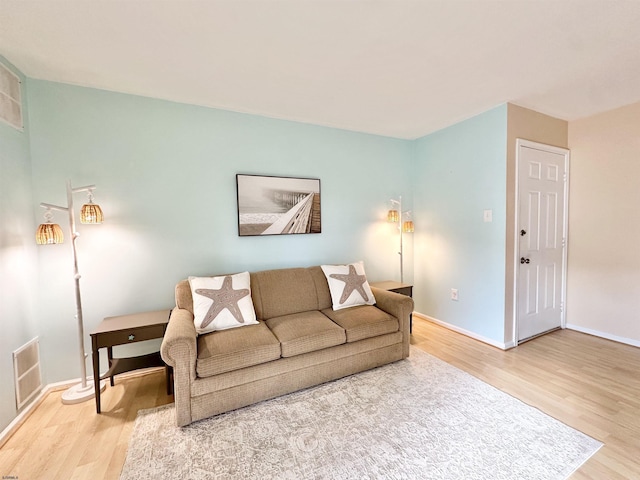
<point x="454" y="294"/>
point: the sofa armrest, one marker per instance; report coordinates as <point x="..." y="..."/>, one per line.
<point x="179" y="342"/>
<point x="398" y="305"/>
<point x="179" y="350"/>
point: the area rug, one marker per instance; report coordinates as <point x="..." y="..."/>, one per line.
<point x="419" y="418"/>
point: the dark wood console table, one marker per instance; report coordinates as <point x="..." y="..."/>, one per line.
<point x="123" y="330"/>
<point x="397" y="287"/>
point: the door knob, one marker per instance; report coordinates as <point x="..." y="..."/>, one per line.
<point x="524" y="260"/>
<point x="523" y="233"/>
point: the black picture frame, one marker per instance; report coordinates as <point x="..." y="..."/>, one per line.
<point x="274" y="205"/>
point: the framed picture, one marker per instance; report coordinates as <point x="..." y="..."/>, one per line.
<point x="277" y="205"/>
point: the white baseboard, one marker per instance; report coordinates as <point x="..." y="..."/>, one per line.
<point x="46" y="390"/>
<point x="475" y="336"/>
<point x="508" y="345"/>
<point x="608" y="336"/>
<point x="28" y="410"/>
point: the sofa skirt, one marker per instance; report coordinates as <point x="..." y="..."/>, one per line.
<point x="289" y="375"/>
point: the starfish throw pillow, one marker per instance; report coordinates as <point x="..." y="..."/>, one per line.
<point x="348" y="285"/>
<point x="222" y="302"/>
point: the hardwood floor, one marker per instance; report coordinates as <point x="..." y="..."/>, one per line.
<point x="588" y="383"/>
<point x="72" y="442"/>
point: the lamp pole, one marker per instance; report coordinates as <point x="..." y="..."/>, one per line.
<point x="400" y="252"/>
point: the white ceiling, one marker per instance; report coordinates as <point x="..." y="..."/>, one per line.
<point x="391" y="67"/>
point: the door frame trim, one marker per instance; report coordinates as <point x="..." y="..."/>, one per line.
<point x="565" y="230"/>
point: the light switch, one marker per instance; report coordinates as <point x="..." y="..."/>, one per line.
<point x="488" y="215"/>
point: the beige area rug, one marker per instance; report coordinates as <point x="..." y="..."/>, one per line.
<point x="419" y="418"/>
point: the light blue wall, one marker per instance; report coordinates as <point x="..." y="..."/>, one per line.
<point x="458" y="173"/>
<point x="165" y="174"/>
<point x="18" y="273"/>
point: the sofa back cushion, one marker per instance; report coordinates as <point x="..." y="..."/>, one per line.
<point x="277" y="292"/>
<point x="283" y="292"/>
<point x="322" y="287"/>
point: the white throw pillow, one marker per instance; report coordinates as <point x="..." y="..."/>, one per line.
<point x="348" y="285"/>
<point x="222" y="302"/>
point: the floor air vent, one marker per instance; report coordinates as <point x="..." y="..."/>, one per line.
<point x="26" y="367"/>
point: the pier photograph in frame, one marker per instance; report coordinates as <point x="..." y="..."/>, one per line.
<point x="277" y="205"/>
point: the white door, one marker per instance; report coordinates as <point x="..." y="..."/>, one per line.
<point x="541" y="232"/>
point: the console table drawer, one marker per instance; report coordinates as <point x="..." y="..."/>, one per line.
<point x="122" y="337"/>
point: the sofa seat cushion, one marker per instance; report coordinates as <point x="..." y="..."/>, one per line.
<point x="235" y="348"/>
<point x="305" y="332"/>
<point x="362" y="322"/>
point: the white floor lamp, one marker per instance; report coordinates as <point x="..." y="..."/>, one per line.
<point x="396" y="216"/>
<point x="51" y="233"/>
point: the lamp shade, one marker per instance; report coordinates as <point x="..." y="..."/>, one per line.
<point x="49" y="233"/>
<point x="393" y="216"/>
<point x="91" y="213"/>
<point x="408" y="227"/>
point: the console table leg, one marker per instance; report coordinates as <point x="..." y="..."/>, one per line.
<point x="110" y="356"/>
<point x="96" y="372"/>
<point x="168" y="372"/>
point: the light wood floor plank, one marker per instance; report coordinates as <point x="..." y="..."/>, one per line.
<point x="586" y="382"/>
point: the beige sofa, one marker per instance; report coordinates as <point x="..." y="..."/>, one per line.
<point x="300" y="341"/>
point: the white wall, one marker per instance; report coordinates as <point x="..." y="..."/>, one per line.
<point x="603" y="284"/>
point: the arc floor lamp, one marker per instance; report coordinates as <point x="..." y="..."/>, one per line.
<point x="50" y="233"/>
<point x="405" y="225"/>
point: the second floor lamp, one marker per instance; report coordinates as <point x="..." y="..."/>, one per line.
<point x="405" y="225"/>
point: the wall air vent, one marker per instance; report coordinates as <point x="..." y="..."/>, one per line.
<point x="10" y="98"/>
<point x="26" y="367"/>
